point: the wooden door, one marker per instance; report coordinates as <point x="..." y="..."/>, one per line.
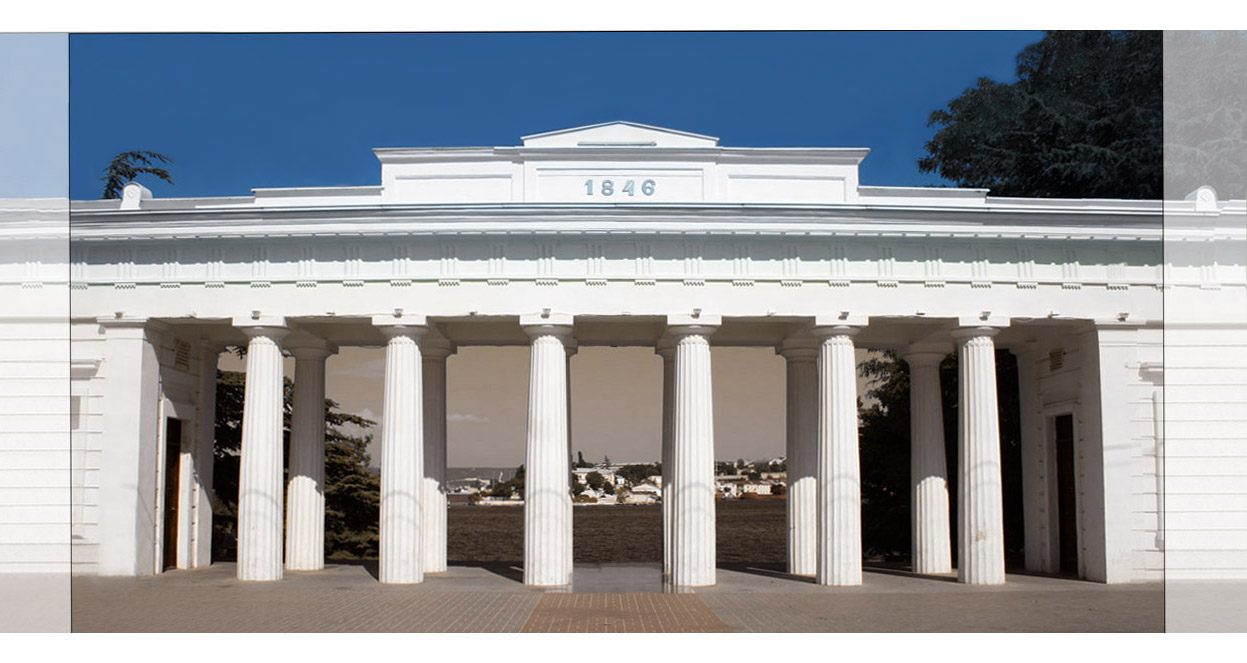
<point x="173" y="453"/>
<point x="1067" y="493"/>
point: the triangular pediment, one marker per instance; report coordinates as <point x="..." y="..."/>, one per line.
<point x="619" y="134"/>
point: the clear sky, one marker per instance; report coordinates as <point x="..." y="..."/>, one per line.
<point x="243" y="111"/>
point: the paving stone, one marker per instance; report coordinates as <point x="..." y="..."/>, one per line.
<point x="489" y="598"/>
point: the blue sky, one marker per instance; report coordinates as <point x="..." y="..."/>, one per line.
<point x="243" y="111"/>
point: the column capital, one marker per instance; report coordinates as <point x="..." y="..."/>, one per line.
<point x="437" y="348"/>
<point x="824" y="332"/>
<point x="841" y="319"/>
<point x="665" y="347"/>
<point x="401" y="324"/>
<point x="274" y="333"/>
<point x="262" y="326"/>
<point x="547" y="324"/>
<point x="983" y="319"/>
<point x="799" y="348"/>
<point x="305" y="346"/>
<point x="962" y="334"/>
<point x="923" y="357"/>
<point x="692" y="324"/>
<point x="307" y="350"/>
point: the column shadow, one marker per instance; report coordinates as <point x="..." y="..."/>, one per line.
<point x="371" y="566"/>
<point x="510" y="570"/>
<point x="764" y="569"/>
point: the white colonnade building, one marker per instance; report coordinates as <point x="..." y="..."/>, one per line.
<point x="627" y="235"/>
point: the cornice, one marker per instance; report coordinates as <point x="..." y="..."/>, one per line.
<point x="656" y="219"/>
<point x="844" y="156"/>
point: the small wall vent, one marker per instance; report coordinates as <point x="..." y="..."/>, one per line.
<point x="1056" y="359"/>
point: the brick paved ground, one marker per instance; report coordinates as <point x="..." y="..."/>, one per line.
<point x="623" y="613"/>
<point x="340" y="598"/>
<point x="486" y="598"/>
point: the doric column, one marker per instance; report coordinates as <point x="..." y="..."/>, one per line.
<point x="980" y="519"/>
<point x="571" y="347"/>
<point x="260" y="493"/>
<point x="802" y="452"/>
<point x="1035" y="469"/>
<point x="692" y="477"/>
<point x="205" y="437"/>
<point x="402" y="451"/>
<point x="666" y="350"/>
<point x="928" y="470"/>
<point x="547" y="495"/>
<point x="837" y="472"/>
<point x="305" y="491"/>
<point x="434" y="352"/>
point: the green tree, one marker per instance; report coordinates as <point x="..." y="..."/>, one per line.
<point x="595" y="480"/>
<point x="636" y="474"/>
<point x="129" y="165"/>
<point x="352" y="490"/>
<point x="1083" y="120"/>
<point x="884" y="448"/>
<point x="514" y="486"/>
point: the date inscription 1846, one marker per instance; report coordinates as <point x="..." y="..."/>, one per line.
<point x="607" y="188"/>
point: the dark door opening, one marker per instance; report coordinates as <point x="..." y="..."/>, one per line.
<point x="173" y="452"/>
<point x="1067" y="499"/>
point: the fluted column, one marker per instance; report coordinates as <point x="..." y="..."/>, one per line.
<point x="205" y="436"/>
<point x="980" y="519"/>
<point x="928" y="472"/>
<point x="434" y="387"/>
<point x="305" y="492"/>
<point x="692" y="477"/>
<point x="838" y="473"/>
<point x="570" y="347"/>
<point x="547" y="498"/>
<point x="260" y="467"/>
<point x="402" y="456"/>
<point x="666" y="350"/>
<point x="802" y="453"/>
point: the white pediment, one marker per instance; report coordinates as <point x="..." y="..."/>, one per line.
<point x="619" y="134"/>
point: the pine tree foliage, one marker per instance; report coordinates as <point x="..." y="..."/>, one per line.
<point x="884" y="442"/>
<point x="1083" y="120"/>
<point x="352" y="490"/>
<point x="127" y="166"/>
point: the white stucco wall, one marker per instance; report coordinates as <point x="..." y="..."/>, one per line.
<point x="34" y="387"/>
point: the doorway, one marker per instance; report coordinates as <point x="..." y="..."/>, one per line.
<point x="172" y="492"/>
<point x="1066" y="494"/>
